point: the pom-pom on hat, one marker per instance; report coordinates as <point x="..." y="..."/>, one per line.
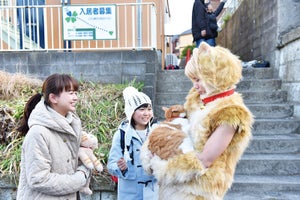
<point x="133" y="100"/>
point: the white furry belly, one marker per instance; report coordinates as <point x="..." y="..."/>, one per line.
<point x="186" y="145"/>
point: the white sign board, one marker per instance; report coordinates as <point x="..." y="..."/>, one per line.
<point x="89" y="22"/>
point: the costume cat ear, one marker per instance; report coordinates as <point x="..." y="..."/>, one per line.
<point x="204" y="47"/>
<point x="195" y="52"/>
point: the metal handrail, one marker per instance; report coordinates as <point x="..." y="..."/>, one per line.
<point x="18" y="33"/>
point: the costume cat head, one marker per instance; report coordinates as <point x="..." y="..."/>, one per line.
<point x="217" y="67"/>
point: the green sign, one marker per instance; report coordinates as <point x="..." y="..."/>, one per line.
<point x="89" y="22"/>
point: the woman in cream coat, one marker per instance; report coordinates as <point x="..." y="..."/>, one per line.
<point x="49" y="160"/>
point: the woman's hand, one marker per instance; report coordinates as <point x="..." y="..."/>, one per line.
<point x="203" y="33"/>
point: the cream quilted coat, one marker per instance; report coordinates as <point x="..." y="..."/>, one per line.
<point x="50" y="156"/>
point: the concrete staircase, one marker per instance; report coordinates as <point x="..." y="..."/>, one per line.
<point x="270" y="168"/>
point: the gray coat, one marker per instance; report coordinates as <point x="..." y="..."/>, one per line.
<point x="49" y="156"/>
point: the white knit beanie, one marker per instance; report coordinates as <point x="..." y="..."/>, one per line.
<point x="133" y="99"/>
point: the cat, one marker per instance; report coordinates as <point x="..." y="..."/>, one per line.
<point x="167" y="139"/>
<point x="176" y="115"/>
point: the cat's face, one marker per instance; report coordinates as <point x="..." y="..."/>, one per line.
<point x="174" y="111"/>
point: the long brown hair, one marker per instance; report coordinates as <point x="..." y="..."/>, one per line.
<point x="55" y="84"/>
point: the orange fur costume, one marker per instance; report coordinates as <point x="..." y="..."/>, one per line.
<point x="183" y="176"/>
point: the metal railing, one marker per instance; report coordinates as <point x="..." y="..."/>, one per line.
<point x="40" y="28"/>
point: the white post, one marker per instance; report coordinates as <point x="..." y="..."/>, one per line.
<point x="153" y="28"/>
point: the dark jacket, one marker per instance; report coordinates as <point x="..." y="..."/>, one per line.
<point x="198" y="19"/>
<point x="202" y="20"/>
<point x="212" y="26"/>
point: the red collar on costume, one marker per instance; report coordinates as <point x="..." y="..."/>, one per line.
<point x="217" y="96"/>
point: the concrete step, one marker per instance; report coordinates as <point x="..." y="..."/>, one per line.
<point x="269" y="97"/>
<point x="176" y="81"/>
<point x="175" y="76"/>
<point x="259" y="97"/>
<point x="269" y="164"/>
<point x="276" y="126"/>
<point x="177" y="86"/>
<point x="170" y="98"/>
<point x="259" y="85"/>
<point x="248" y="73"/>
<point x="257" y="195"/>
<point x="258" y="184"/>
<point x="257" y="73"/>
<point x="271" y="111"/>
<point x="251" y="187"/>
<point x="263" y="144"/>
<point x="260" y="111"/>
<point x="184" y="85"/>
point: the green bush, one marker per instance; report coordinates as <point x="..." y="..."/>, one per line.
<point x="185" y="50"/>
<point x="226" y="19"/>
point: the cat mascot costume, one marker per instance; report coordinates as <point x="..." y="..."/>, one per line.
<point x="216" y="113"/>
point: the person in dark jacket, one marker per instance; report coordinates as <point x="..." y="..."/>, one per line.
<point x="198" y="21"/>
<point x="204" y="22"/>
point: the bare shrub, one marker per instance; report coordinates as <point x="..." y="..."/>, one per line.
<point x="16" y="85"/>
<point x="100" y="108"/>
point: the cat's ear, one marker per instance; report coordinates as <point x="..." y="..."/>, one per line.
<point x="164" y="108"/>
<point x="174" y="109"/>
<point x="168" y="112"/>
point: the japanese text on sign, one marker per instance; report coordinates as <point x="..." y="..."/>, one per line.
<point x="92" y="22"/>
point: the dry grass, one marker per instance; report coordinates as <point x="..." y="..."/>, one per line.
<point x="100" y="107"/>
<point x="15" y="89"/>
<point x="16" y="85"/>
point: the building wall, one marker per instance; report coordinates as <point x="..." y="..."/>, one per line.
<point x="103" y="189"/>
<point x="114" y="67"/>
<point x="185" y="40"/>
<point x="251" y="31"/>
<point x="122" y="29"/>
<point x="288" y="53"/>
<point x="270" y="30"/>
